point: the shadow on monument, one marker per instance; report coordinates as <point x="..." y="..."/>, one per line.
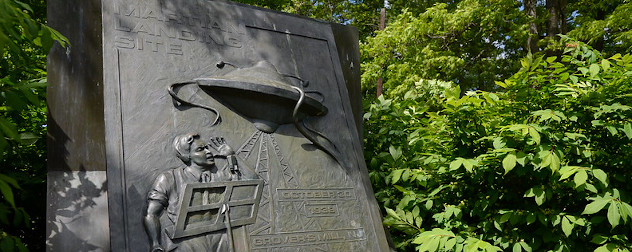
<point x="71" y="193"/>
<point x="74" y="195"/>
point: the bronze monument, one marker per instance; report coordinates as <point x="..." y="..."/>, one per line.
<point x="275" y="163"/>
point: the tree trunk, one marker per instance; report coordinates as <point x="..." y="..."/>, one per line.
<point x="532" y="41"/>
<point x="553" y="25"/>
<point x="599" y="42"/>
<point x="563" y="27"/>
<point x="382" y="26"/>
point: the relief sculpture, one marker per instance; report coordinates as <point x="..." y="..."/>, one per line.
<point x="265" y="96"/>
<point x="204" y="218"/>
<point x="198" y="198"/>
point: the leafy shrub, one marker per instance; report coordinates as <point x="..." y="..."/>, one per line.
<point x="543" y="165"/>
<point x="24" y="42"/>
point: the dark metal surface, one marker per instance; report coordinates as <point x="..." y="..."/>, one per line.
<point x="260" y="93"/>
<point x="230" y="197"/>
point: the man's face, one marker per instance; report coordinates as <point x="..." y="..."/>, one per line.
<point x="201" y="154"/>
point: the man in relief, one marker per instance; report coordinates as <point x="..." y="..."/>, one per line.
<point x="199" y="159"/>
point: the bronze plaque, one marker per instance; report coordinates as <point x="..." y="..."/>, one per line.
<point x="286" y="171"/>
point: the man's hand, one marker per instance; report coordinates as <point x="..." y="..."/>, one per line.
<point x="220" y="145"/>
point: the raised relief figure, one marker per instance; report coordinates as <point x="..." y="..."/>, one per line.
<point x="195" y="197"/>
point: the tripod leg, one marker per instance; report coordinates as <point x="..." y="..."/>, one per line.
<point x="229" y="228"/>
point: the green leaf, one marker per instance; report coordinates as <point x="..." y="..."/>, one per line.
<point x="521" y="158"/>
<point x="431" y="243"/>
<point x="392" y="213"/>
<point x="499" y="143"/>
<point x="534" y="134"/>
<point x="429" y="204"/>
<point x="7" y="192"/>
<point x="556" y="220"/>
<point x="497" y="226"/>
<point x="454" y="165"/>
<point x="591" y="187"/>
<point x="7" y="244"/>
<point x="419" y="240"/>
<point x="567" y="226"/>
<point x="602" y="249"/>
<point x="409" y="217"/>
<point x="509" y="162"/>
<point x="612" y="130"/>
<point x="524" y="63"/>
<point x="567" y="171"/>
<point x="531" y="218"/>
<point x="540" y="196"/>
<point x="530" y="192"/>
<point x="437" y="190"/>
<point x="517" y="247"/>
<point x="599" y="239"/>
<point x="416" y="211"/>
<point x="396" y="174"/>
<point x="8" y="128"/>
<point x="401" y="189"/>
<point x="580" y="178"/>
<point x="17" y="217"/>
<point x="505" y="217"/>
<point x="594" y="70"/>
<point x="583" y="70"/>
<point x="525" y="246"/>
<point x="28" y="138"/>
<point x="500" y="84"/>
<point x="9" y="180"/>
<point x="469" y="164"/>
<point x="595" y="206"/>
<point x="449" y="245"/>
<point x="609" y="247"/>
<point x="555" y="162"/>
<point x="21" y="246"/>
<point x="396" y="153"/>
<point x="14" y="101"/>
<point x="601" y="176"/>
<point x="626" y="211"/>
<point x="546" y="157"/>
<point x="406" y="175"/>
<point x="24" y="6"/>
<point x="613" y="214"/>
<point x="605" y="64"/>
<point x="627" y="129"/>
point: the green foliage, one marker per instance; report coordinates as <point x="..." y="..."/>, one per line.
<point x="606" y="25"/>
<point x="363" y="14"/>
<point x="471" y="42"/>
<point x="542" y="165"/>
<point x="24" y="43"/>
<point x="270" y="4"/>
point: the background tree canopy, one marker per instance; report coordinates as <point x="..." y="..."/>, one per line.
<point x="494" y="133"/>
<point x="473" y="43"/>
